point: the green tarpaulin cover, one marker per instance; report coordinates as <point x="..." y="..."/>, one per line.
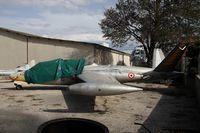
<point x="54" y="69"/>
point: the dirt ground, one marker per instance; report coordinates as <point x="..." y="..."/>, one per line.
<point x="159" y="107"/>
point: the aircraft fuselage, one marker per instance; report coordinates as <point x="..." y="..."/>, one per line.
<point x="122" y="74"/>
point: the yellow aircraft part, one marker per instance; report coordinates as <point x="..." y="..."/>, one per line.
<point x="18" y="77"/>
<point x="21" y="83"/>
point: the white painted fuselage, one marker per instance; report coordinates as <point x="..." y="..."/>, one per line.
<point x="121" y="73"/>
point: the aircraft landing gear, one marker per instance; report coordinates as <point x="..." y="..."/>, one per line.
<point x="18" y="87"/>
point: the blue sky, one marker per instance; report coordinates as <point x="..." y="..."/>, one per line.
<point x="65" y="19"/>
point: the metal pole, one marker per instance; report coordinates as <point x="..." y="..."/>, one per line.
<point x="27" y="49"/>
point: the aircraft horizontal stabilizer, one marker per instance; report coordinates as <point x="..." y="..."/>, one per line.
<point x="99" y="89"/>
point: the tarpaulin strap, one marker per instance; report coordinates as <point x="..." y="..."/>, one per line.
<point x="79" y="69"/>
<point x="59" y="72"/>
<point x="62" y="63"/>
<point x="28" y="76"/>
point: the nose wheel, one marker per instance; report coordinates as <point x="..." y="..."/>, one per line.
<point x="20" y="84"/>
<point x="18" y="87"/>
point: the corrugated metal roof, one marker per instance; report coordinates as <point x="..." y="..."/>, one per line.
<point x="40" y="37"/>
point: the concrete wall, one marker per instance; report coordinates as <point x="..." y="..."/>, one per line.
<point x="118" y="59"/>
<point x="42" y="49"/>
<point x="107" y="56"/>
<point x="127" y="60"/>
<point x="12" y="50"/>
<point x="17" y="49"/>
<point x="102" y="56"/>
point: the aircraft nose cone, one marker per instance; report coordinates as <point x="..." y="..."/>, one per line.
<point x="13" y="77"/>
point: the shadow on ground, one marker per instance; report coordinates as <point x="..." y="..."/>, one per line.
<point x="176" y="112"/>
<point x="18" y="123"/>
<point x="77" y="104"/>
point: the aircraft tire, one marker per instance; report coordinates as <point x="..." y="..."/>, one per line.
<point x="19" y="87"/>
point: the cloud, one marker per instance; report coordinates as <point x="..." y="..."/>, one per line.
<point x="95" y="38"/>
<point x="68" y="4"/>
<point x="79" y="24"/>
<point x="47" y="3"/>
<point x="91" y="38"/>
<point x="73" y="23"/>
<point x="87" y="2"/>
<point x="29" y="25"/>
<point x="75" y="26"/>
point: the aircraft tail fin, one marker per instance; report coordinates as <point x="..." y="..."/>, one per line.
<point x="158" y="57"/>
<point x="169" y="63"/>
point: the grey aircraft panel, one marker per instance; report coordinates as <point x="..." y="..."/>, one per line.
<point x="109" y="68"/>
<point x="93" y="77"/>
<point x="97" y="84"/>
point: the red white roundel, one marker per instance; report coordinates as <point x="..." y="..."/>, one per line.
<point x="131" y="75"/>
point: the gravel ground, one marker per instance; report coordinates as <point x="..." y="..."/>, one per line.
<point x="159" y="107"/>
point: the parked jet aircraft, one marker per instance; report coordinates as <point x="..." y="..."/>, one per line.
<point x="98" y="80"/>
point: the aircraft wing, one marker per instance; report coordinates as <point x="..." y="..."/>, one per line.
<point x="96" y="84"/>
<point x="97" y="78"/>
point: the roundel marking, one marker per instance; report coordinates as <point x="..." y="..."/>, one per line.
<point x="131" y="75"/>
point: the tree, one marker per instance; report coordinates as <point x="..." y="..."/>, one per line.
<point x="153" y="23"/>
